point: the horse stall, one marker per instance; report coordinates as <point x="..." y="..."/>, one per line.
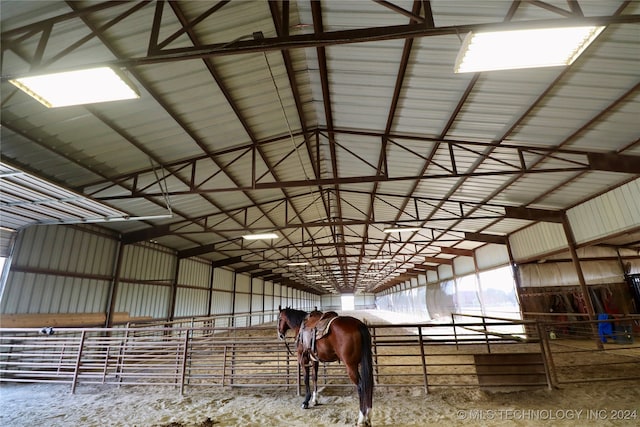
<point x="203" y="374"/>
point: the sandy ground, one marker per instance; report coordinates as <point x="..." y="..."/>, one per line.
<point x="54" y="405"/>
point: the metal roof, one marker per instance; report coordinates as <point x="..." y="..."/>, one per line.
<point x="325" y="122"/>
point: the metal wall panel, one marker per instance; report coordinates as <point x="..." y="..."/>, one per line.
<point x="539" y="239"/>
<point x="65" y="249"/>
<point x="243" y="283"/>
<point x="257" y="286"/>
<point x="191" y="302"/>
<point x="221" y="302"/>
<point x="613" y="212"/>
<point x="143" y="300"/>
<point x="242" y="303"/>
<point x="59" y="269"/>
<point x="445" y="272"/>
<point x="42" y="293"/>
<point x="194" y="273"/>
<point x="223" y="279"/>
<point x="432" y="276"/>
<point x="492" y="255"/>
<point x="464" y="265"/>
<point x="148" y="262"/>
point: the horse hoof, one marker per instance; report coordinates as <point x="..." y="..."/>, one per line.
<point x="305" y="406"/>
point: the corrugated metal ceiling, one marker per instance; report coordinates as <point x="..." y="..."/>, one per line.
<point x="322" y="121"/>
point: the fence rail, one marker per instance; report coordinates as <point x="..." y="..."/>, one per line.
<point x="483" y="352"/>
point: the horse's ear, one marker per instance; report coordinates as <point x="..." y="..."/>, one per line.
<point x="279" y="308"/>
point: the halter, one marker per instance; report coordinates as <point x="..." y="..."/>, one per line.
<point x="285" y="336"/>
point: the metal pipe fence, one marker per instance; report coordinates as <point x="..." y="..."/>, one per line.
<point x="485" y="352"/>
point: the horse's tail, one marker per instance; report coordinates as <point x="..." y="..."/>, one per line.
<point x="366" y="370"/>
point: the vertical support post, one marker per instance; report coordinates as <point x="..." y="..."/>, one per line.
<point x="174" y="292"/>
<point x="583" y="283"/>
<point x="115" y="281"/>
<point x="233" y="300"/>
<point x="250" y="301"/>
<point x="211" y="276"/>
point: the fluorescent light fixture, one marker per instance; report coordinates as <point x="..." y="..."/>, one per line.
<point x="379" y="260"/>
<point x="297" y="264"/>
<point x="401" y="229"/>
<point x="321" y="281"/>
<point x="314" y="275"/>
<point x="507" y="50"/>
<point x="77" y="87"/>
<point x="260" y="236"/>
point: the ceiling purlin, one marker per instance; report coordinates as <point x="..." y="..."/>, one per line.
<point x="563" y="143"/>
<point x="318" y="28"/>
<point x="402" y="70"/>
<point x="581" y="129"/>
<point x="212" y="71"/>
<point x="210" y="67"/>
<point x="107" y="43"/>
<point x="511" y="12"/>
<point x="359" y="35"/>
<point x="281" y="23"/>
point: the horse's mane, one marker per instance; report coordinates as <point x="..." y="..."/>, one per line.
<point x="295" y="316"/>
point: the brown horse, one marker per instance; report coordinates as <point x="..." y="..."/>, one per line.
<point x="348" y="340"/>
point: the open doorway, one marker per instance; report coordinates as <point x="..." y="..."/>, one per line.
<point x="347" y="302"/>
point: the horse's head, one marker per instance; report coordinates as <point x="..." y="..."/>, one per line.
<point x="283" y="323"/>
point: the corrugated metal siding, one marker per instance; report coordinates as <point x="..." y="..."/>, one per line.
<point x="539" y="239"/>
<point x="194" y="273"/>
<point x="492" y="255"/>
<point x="463" y="265"/>
<point x="42" y="293"/>
<point x="148" y="262"/>
<point x="223" y="279"/>
<point x="613" y="212"/>
<point x="65" y="249"/>
<point x="221" y="302"/>
<point x="445" y="272"/>
<point x="59" y="269"/>
<point x="143" y="300"/>
<point x="432" y="276"/>
<point x="243" y="283"/>
<point x="191" y="302"/>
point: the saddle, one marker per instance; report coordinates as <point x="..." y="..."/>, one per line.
<point x="313" y="328"/>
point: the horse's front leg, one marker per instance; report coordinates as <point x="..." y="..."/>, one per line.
<point x="304" y="363"/>
<point x="314" y="399"/>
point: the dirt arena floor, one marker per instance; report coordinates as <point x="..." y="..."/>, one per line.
<point x="593" y="404"/>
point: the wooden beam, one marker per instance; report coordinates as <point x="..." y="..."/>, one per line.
<point x="64" y="320"/>
<point x="198" y="250"/>
<point x="612" y="162"/>
<point x="456" y="251"/>
<point x="225" y="262"/>
<point x="247" y="268"/>
<point x="534" y="214"/>
<point x="261" y="273"/>
<point x="486" y="238"/>
<point x="438" y="260"/>
<point x="146" y="234"/>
